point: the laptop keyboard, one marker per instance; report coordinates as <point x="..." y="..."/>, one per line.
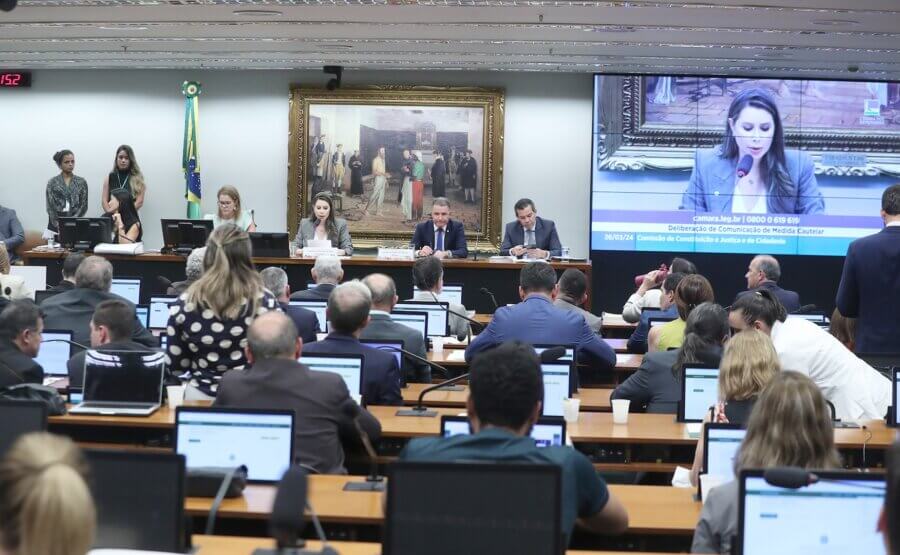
<point x="112" y="405"/>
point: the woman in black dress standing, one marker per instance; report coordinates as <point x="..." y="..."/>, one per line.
<point x="356" y="184"/>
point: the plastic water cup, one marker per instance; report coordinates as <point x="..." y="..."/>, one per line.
<point x="620" y="410"/>
<point x="570" y="409"/>
<point x="437" y="345"/>
<point x="175" y="393"/>
<point x="566" y="252"/>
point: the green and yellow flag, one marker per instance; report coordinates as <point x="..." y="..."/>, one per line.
<point x="190" y="158"/>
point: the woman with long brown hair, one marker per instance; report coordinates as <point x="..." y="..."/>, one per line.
<point x="323" y="224"/>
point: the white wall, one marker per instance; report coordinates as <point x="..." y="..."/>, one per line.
<point x="243" y="138"/>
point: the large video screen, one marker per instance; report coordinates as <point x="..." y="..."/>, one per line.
<point x="740" y="165"/>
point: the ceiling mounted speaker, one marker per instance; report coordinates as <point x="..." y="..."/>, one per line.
<point x="7" y="5"/>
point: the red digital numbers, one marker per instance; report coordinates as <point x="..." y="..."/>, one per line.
<point x="10" y="79"/>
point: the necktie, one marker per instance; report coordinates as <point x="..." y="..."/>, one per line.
<point x="529" y="237"/>
<point x="439" y="244"/>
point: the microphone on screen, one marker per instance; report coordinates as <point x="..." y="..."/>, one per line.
<point x="743" y="167"/>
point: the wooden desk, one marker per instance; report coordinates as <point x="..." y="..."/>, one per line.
<point x="592" y="400"/>
<point x="625" y="362"/>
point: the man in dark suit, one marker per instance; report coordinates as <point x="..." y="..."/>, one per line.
<point x="111" y="329"/>
<point x="528" y="230"/>
<point x="438" y="175"/>
<point x="21" y="326"/>
<point x="276" y="281"/>
<point x="11" y="231"/>
<point x="870" y="284"/>
<point x="764" y="273"/>
<point x="468" y="176"/>
<point x="70" y="266"/>
<point x="348" y="313"/>
<point x="381" y="327"/>
<point x="327" y="273"/>
<point x="275" y="380"/>
<point x="441" y="237"/>
<point x="536" y="320"/>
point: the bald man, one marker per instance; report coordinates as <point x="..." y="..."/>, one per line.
<point x="764" y="273"/>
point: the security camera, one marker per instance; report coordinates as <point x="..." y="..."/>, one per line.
<point x="334" y="83"/>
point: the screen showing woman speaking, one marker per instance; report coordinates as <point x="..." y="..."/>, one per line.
<point x="740" y="165"/>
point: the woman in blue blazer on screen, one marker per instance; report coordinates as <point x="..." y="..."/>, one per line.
<point x="776" y="182"/>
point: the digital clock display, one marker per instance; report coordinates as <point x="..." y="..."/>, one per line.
<point x="14" y="79"/>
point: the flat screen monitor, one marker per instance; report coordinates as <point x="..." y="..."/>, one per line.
<point x="438" y="320"/>
<point x="894" y="420"/>
<point x="834" y="516"/>
<point x="720" y="445"/>
<point x="84" y="233"/>
<point x="123" y="376"/>
<point x="557" y="386"/>
<point x="546" y="432"/>
<point x="569" y="355"/>
<point x="270" y="245"/>
<point x="387" y="346"/>
<point x="159" y="311"/>
<point x="139" y="498"/>
<point x="348" y="367"/>
<point x="518" y="509"/>
<point x="41" y="296"/>
<point x="262" y="440"/>
<point x="142" y="311"/>
<point x="18" y="418"/>
<point x="415" y="320"/>
<point x="54" y="354"/>
<point x="699" y="392"/>
<point x="319" y="307"/>
<point x="184" y="235"/>
<point x="450" y="293"/>
<point x="128" y="288"/>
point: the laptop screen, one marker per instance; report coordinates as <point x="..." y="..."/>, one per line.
<point x="123" y="376"/>
<point x="127" y="288"/>
<point x="318" y="307"/>
<point x="659" y="320"/>
<point x="18" y="418"/>
<point x="836" y="515"/>
<point x="700" y="392"/>
<point x="415" y="320"/>
<point x="568" y="357"/>
<point x="53" y="356"/>
<point x="437" y="315"/>
<point x="261" y="440"/>
<point x="895" y="410"/>
<point x="820" y="319"/>
<point x="722" y="442"/>
<point x="451" y="293"/>
<point x="557" y="386"/>
<point x="159" y="311"/>
<point x="348" y="367"/>
<point x="41" y="296"/>
<point x="546" y="432"/>
<point x="387" y="346"/>
<point x="142" y="311"/>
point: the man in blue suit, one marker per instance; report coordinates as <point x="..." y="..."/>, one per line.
<point x="348" y="313"/>
<point x="764" y="273"/>
<point x="870" y="284"/>
<point x="528" y="230"/>
<point x="536" y="320"/>
<point x="441" y="237"/>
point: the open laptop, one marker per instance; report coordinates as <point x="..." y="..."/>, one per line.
<point x="18" y="418"/>
<point x="699" y="392"/>
<point x="54" y="354"/>
<point x="545" y="433"/>
<point x="319" y="307"/>
<point x="894" y="420"/>
<point x="42" y="295"/>
<point x="387" y="346"/>
<point x="159" y="311"/>
<point x="128" y="288"/>
<point x="438" y="318"/>
<point x="415" y="320"/>
<point x="720" y="445"/>
<point x="817" y="318"/>
<point x="450" y="293"/>
<point x="124" y="383"/>
<point x="262" y="440"/>
<point x="558" y="385"/>
<point x="349" y="367"/>
<point x="568" y="357"/>
<point x="271" y="245"/>
<point x="835" y="515"/>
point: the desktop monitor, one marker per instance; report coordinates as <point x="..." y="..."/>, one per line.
<point x="41" y="296"/>
<point x="518" y="509"/>
<point x="159" y="311"/>
<point x="270" y="245"/>
<point x="139" y="498"/>
<point x="558" y="385"/>
<point x="415" y="320"/>
<point x="349" y="367"/>
<point x="545" y="433"/>
<point x="699" y="392"/>
<point x="319" y="307"/>
<point x="720" y="445"/>
<point x="54" y="354"/>
<point x="123" y="376"/>
<point x="835" y="515"/>
<point x="84" y="233"/>
<point x="450" y="293"/>
<point x="184" y="235"/>
<point x="262" y="440"/>
<point x="18" y="418"/>
<point x="127" y="287"/>
<point x="569" y="356"/>
<point x="388" y="346"/>
<point x="142" y="312"/>
<point x="438" y="318"/>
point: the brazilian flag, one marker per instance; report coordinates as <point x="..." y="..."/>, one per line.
<point x="189" y="158"/>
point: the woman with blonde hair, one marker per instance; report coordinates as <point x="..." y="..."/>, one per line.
<point x="11" y="287"/>
<point x="790" y="426"/>
<point x="748" y="365"/>
<point x="207" y="328"/>
<point x="45" y="504"/>
<point x="230" y="210"/>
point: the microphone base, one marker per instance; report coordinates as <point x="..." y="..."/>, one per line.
<point x="367" y="485"/>
<point x="414" y="412"/>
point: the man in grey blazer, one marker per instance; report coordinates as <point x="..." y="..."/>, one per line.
<point x="381" y="327"/>
<point x="11" y="232"/>
<point x="573" y="293"/>
<point x="275" y="380"/>
<point x="528" y="230"/>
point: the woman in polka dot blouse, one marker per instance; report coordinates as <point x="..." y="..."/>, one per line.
<point x="208" y="324"/>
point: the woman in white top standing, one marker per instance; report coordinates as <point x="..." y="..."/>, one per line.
<point x="230" y="210"/>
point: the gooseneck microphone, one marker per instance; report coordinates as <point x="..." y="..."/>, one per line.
<point x="792" y="477"/>
<point x="486" y="291"/>
<point x="743" y="167"/>
<point x="373" y="481"/>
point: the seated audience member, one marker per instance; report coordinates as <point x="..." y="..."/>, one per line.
<point x="637" y="343"/>
<point x="111" y="329"/>
<point x="843" y="329"/>
<point x="275" y="380"/>
<point x="428" y="278"/>
<point x="573" y="294"/>
<point x="442" y="236"/>
<point x="207" y="328"/>
<point x="11" y="232"/>
<point x="889" y="519"/>
<point x="193" y="269"/>
<point x="46" y="506"/>
<point x="856" y="390"/>
<point x="384" y="297"/>
<point x="11" y="287"/>
<point x="657" y="382"/>
<point x="21" y="325"/>
<point x="764" y="273"/>
<point x="790" y="426"/>
<point x="275" y="280"/>
<point x="692" y="291"/>
<point x="530" y="230"/>
<point x="70" y="266"/>
<point x="505" y="395"/>
<point x="73" y="309"/>
<point x="748" y="365"/>
<point x="536" y="320"/>
<point x="648" y="295"/>
<point x="326" y="273"/>
<point x="348" y="313"/>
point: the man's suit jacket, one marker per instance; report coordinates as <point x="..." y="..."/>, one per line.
<point x="63" y="285"/>
<point x="536" y="320"/>
<point x="11" y="231"/>
<point x="870" y="290"/>
<point x="655" y="385"/>
<point x="381" y="327"/>
<point x="381" y="375"/>
<point x="594" y="321"/>
<point x="306" y="321"/>
<point x="73" y="310"/>
<point x="75" y="365"/>
<point x="16" y="367"/>
<point x="545" y="237"/>
<point x="454" y="238"/>
<point x="320" y="292"/>
<point x="316" y="399"/>
<point x="790" y="299"/>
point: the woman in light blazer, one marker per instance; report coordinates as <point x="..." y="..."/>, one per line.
<point x="321" y="224"/>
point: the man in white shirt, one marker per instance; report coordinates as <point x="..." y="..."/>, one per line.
<point x="856" y="390"/>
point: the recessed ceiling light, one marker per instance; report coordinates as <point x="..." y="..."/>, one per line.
<point x="834" y="22"/>
<point x="336" y="46"/>
<point x="122" y="28"/>
<point x="257" y="13"/>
